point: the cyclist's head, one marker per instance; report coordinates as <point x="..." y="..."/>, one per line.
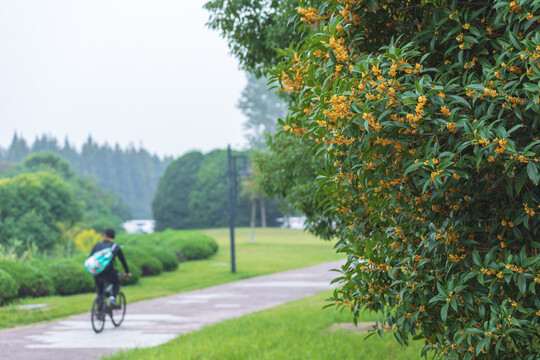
<point x="110" y="234"/>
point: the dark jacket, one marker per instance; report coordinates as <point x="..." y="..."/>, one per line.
<point x="116" y="252"/>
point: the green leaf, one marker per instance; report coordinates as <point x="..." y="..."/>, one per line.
<point x="412" y="167"/>
<point x="514" y="40"/>
<point x="522" y="283"/>
<point x="521" y="180"/>
<point x="460" y="100"/>
<point x="476" y="258"/>
<point x="418" y="88"/>
<point x="332" y="57"/>
<point x="481" y="345"/>
<point x="532" y="171"/>
<point x="476" y="87"/>
<point x="470" y="39"/>
<point x="444" y="312"/>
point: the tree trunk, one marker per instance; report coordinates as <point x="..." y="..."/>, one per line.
<point x="253" y="214"/>
<point x="263" y="213"/>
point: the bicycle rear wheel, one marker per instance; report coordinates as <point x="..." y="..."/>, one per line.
<point x="98" y="315"/>
<point x="117" y="314"/>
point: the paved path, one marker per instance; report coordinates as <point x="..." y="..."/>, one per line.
<point x="153" y="322"/>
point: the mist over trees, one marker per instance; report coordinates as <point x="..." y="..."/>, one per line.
<point x="131" y="173"/>
<point x="44" y="203"/>
<point x="262" y="107"/>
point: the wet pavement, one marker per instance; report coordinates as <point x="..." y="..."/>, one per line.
<point x="154" y="322"/>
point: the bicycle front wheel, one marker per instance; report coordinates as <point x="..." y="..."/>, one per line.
<point x="98" y="315"/>
<point x="117" y="313"/>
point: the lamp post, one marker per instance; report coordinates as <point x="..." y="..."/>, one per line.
<point x="232" y="173"/>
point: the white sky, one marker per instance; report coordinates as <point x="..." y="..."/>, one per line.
<point x="124" y="71"/>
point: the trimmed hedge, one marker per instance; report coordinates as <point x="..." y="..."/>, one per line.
<point x="8" y="287"/>
<point x="146" y="254"/>
<point x="135" y="271"/>
<point x="31" y="281"/>
<point x="166" y="256"/>
<point x="148" y="264"/>
<point x="190" y="245"/>
<point x="187" y="245"/>
<point x="191" y="249"/>
<point x="69" y="276"/>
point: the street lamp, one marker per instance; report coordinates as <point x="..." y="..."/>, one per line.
<point x="232" y="173"/>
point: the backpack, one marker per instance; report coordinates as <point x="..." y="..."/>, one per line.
<point x="100" y="260"/>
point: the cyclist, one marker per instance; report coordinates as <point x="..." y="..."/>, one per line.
<point x="110" y="274"/>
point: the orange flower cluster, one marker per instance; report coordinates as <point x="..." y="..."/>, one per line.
<point x="514" y="7"/>
<point x="295" y="129"/>
<point x="310" y="15"/>
<point x="296" y="83"/>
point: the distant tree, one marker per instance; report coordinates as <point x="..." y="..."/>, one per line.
<point x="18" y="149"/>
<point x="48" y="160"/>
<point x="209" y="197"/>
<point x="251" y="190"/>
<point x="193" y="193"/>
<point x="262" y="107"/>
<point x="32" y="207"/>
<point x="171" y="201"/>
<point x="288" y="172"/>
<point x="45" y="143"/>
<point x="131" y="174"/>
<point x="101" y="209"/>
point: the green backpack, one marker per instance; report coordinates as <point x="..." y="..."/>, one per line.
<point x="100" y="260"/>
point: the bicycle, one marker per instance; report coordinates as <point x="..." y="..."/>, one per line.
<point x="101" y="307"/>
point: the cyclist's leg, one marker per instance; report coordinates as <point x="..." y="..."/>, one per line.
<point x="115" y="280"/>
<point x="100" y="285"/>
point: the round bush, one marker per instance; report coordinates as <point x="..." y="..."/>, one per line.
<point x="195" y="250"/>
<point x="69" y="277"/>
<point x="193" y="247"/>
<point x="8" y="287"/>
<point x="147" y="263"/>
<point x="31" y="281"/>
<point x="136" y="273"/>
<point x="166" y="256"/>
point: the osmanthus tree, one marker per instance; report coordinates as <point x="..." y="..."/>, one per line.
<point x="428" y="116"/>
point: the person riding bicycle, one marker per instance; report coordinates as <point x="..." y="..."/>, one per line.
<point x="110" y="274"/>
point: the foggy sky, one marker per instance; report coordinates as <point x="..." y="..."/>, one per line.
<point x="124" y="71"/>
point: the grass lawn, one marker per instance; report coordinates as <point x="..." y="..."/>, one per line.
<point x="297" y="330"/>
<point x="274" y="250"/>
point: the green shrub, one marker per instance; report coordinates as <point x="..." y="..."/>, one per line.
<point x="192" y="245"/>
<point x="195" y="250"/>
<point x="80" y="257"/>
<point x="187" y="245"/>
<point x="31" y="281"/>
<point x="8" y="287"/>
<point x="148" y="264"/>
<point x="427" y="115"/>
<point x="69" y="277"/>
<point x="135" y="271"/>
<point x="166" y="256"/>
